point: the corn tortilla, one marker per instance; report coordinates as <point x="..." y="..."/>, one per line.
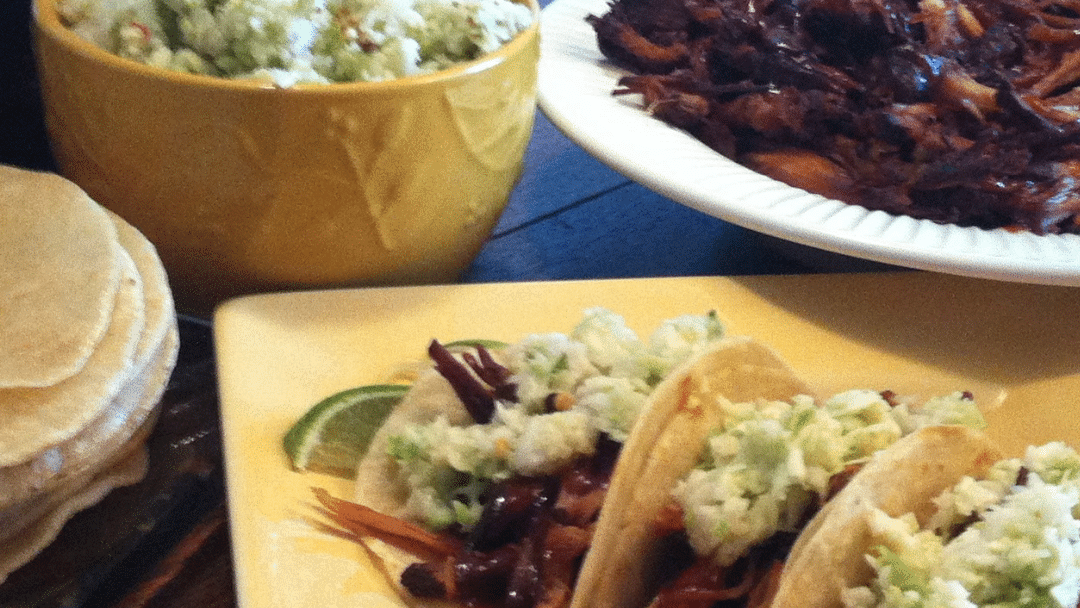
<point x="735" y="366"/>
<point x="37" y="418"/>
<point x="84" y="453"/>
<point x="903" y="478"/>
<point x="30" y="540"/>
<point x="61" y="275"/>
<point x="429" y="397"/>
<point x="29" y="525"/>
<point x="160" y="312"/>
<point x="89" y="349"/>
<point x="682" y="412"/>
<point x="100" y="437"/>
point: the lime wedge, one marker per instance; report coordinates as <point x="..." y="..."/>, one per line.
<point x="336" y="432"/>
<point x="473" y="343"/>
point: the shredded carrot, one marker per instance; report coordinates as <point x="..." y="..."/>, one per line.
<point x="358" y="522"/>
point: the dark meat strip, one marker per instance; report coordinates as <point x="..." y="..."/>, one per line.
<point x="490" y="371"/>
<point x="509" y="507"/>
<point x="478" y="382"/>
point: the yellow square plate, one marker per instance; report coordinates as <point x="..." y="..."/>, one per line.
<point x="1015" y="346"/>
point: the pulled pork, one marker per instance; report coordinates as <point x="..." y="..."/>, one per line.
<point x="962" y="112"/>
<point x="529" y="543"/>
<point x="525" y="552"/>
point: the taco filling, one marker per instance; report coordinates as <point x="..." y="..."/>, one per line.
<point x="1008" y="539"/>
<point x="556" y="400"/>
<point x="499" y="459"/>
<point x="765" y="471"/>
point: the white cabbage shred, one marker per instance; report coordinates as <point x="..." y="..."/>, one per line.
<point x="298" y="41"/>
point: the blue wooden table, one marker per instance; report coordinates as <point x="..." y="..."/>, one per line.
<point x="572" y="217"/>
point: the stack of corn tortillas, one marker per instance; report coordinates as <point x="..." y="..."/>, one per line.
<point x="88" y="339"/>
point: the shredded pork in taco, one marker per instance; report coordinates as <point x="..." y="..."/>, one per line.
<point x="708" y="512"/>
<point x="484" y="485"/>
<point x="766" y="470"/>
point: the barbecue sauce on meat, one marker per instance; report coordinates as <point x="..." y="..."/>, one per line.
<point x="748" y="583"/>
<point x="686" y="580"/>
<point x="957" y="111"/>
<point x="478" y="381"/>
<point x="533" y="532"/>
<point x="528" y="546"/>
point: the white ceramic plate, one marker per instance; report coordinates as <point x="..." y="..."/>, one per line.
<point x="913" y="332"/>
<point x="575" y="93"/>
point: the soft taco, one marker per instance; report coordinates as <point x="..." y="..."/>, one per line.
<point x="496" y="504"/>
<point x="719" y="481"/>
<point x="919" y="530"/>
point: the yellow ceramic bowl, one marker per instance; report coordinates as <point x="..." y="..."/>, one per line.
<point x="244" y="187"/>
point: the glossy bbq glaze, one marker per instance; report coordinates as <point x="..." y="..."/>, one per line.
<point x="957" y="112"/>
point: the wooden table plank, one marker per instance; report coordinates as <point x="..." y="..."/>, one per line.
<point x="628" y="231"/>
<point x="557" y="174"/>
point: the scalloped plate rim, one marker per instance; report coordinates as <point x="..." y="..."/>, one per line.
<point x="575" y="85"/>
